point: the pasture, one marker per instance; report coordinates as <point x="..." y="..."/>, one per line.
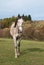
<point x="32" y="52"/>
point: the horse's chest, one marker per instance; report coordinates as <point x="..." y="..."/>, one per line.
<point x="15" y="31"/>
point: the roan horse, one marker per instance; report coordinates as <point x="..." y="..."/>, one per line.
<point x="16" y="33"/>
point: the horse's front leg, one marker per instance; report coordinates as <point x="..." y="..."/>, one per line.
<point x="18" y="47"/>
<point x="15" y="45"/>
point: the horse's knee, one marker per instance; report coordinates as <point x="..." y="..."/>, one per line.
<point x="15" y="47"/>
<point x="18" y="43"/>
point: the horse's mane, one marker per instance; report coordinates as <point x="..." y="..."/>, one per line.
<point x="16" y="22"/>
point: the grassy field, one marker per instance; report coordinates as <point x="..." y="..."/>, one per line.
<point x="32" y="53"/>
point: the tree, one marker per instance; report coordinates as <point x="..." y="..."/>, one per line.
<point x="18" y="15"/>
<point x="23" y="16"/>
<point x="29" y="17"/>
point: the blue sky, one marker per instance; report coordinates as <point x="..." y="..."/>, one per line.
<point x="35" y="8"/>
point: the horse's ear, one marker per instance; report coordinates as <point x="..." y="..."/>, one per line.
<point x="19" y="17"/>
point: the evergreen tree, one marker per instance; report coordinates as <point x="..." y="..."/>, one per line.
<point x="29" y="17"/>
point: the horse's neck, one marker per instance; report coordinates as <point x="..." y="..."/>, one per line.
<point x="12" y="26"/>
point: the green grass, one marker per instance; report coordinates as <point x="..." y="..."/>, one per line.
<point x="32" y="53"/>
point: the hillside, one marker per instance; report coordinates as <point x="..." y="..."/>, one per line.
<point x="31" y="30"/>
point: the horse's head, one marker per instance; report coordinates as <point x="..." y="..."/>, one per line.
<point x="20" y="21"/>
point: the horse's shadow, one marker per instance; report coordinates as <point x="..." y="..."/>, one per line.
<point x="32" y="50"/>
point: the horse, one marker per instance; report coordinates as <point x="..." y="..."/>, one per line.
<point x="16" y="33"/>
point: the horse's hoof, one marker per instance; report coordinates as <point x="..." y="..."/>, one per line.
<point x="15" y="56"/>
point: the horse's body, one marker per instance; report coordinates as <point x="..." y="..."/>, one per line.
<point x="16" y="33"/>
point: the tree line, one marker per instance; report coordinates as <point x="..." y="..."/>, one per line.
<point x="25" y="17"/>
<point x="6" y="22"/>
